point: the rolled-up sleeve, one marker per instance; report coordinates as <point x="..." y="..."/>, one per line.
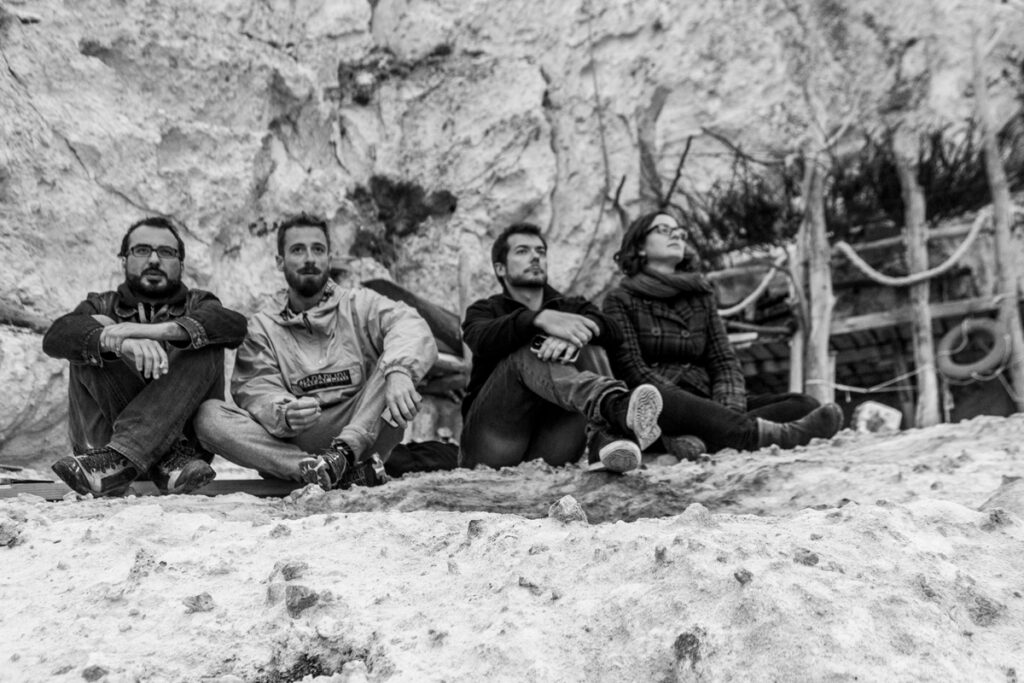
<point x="75" y="336"/>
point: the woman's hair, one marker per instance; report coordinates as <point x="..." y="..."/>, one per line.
<point x="628" y="256"/>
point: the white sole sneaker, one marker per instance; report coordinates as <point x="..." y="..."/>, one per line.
<point x="642" y="415"/>
<point x="621" y="455"/>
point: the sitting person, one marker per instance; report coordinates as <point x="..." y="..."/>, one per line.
<point x="326" y="385"/>
<point x="524" y="403"/>
<point x="674" y="339"/>
<point x="143" y="358"/>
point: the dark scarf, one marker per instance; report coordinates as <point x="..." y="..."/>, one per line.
<point x="658" y="286"/>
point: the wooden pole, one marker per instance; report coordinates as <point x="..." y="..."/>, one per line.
<point x="905" y="149"/>
<point x="819" y="281"/>
<point x="1009" y="311"/>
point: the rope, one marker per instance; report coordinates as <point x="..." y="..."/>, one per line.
<point x="907" y="280"/>
<point x="878" y="387"/>
<point x="756" y="294"/>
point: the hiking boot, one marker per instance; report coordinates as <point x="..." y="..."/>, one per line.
<point x="327" y="469"/>
<point x="607" y="453"/>
<point x="821" y="423"/>
<point x="685" y="447"/>
<point x="182" y="470"/>
<point x="369" y="472"/>
<point x="336" y="468"/>
<point x="635" y="413"/>
<point x="99" y="471"/>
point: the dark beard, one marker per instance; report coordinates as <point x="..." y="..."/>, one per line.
<point x="306" y="284"/>
<point x="531" y="282"/>
<point x="144" y="290"/>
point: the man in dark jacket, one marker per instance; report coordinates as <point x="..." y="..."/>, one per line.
<point x="143" y="358"/>
<point x="529" y="395"/>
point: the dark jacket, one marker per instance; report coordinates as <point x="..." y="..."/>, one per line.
<point x="497" y="326"/>
<point x="678" y="342"/>
<point x="76" y="335"/>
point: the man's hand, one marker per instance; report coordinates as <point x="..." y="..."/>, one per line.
<point x="148" y="355"/>
<point x="556" y="350"/>
<point x="402" y="398"/>
<point x="302" y="413"/>
<point x="113" y="336"/>
<point x="571" y="327"/>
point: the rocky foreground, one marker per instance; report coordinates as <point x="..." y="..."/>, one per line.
<point x="891" y="558"/>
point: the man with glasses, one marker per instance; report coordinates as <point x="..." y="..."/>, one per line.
<point x="326" y="382"/>
<point x="143" y="358"/>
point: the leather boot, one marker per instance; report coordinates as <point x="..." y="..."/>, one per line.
<point x="821" y="423"/>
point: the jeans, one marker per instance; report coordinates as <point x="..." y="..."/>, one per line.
<point x="720" y="427"/>
<point x="531" y="409"/>
<point x="114" y="405"/>
<point x="234" y="434"/>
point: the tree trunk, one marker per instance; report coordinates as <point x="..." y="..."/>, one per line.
<point x="818" y="253"/>
<point x="905" y="148"/>
<point x="1009" y="312"/>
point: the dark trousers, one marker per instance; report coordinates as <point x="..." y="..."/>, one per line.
<point x="719" y="427"/>
<point x="115" y="406"/>
<point x="531" y="409"/>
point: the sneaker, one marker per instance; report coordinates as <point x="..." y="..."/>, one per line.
<point x="607" y="453"/>
<point x="99" y="471"/>
<point x="327" y="469"/>
<point x="642" y="415"/>
<point x="635" y="414"/>
<point x="369" y="472"/>
<point x="182" y="470"/>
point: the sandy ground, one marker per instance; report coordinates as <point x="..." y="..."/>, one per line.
<point x="865" y="558"/>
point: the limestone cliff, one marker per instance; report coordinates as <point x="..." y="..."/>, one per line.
<point x="227" y="113"/>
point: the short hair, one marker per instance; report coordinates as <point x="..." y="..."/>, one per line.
<point x="303" y="219"/>
<point x="628" y="256"/>
<point x="499" y="251"/>
<point x="161" y="222"/>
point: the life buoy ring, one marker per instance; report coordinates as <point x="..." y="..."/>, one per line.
<point x="953" y="341"/>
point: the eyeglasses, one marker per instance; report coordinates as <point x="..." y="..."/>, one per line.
<point x="668" y="231"/>
<point x="144" y="251"/>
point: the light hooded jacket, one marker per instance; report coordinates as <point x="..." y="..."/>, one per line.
<point x="327" y="352"/>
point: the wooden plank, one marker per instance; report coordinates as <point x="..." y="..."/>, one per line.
<point x="261" y="488"/>
<point x="903" y="315"/>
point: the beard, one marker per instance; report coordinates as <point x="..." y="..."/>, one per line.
<point x="306" y="281"/>
<point x="527" y="279"/>
<point x="139" y="285"/>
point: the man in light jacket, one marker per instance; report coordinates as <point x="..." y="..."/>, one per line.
<point x="325" y="385"/>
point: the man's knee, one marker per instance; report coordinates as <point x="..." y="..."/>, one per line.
<point x="213" y="419"/>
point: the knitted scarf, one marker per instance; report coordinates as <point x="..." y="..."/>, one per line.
<point x="659" y="286"/>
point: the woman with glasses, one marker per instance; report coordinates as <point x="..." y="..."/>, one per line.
<point x="675" y="340"/>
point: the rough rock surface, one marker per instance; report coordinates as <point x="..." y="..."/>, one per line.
<point x="869" y="560"/>
<point x="224" y="114"/>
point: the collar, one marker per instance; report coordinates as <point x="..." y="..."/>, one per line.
<point x="287" y="313"/>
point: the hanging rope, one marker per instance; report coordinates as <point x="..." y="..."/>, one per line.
<point x="758" y="291"/>
<point x="907" y="280"/>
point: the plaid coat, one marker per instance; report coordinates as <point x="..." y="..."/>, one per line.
<point x="677" y="342"/>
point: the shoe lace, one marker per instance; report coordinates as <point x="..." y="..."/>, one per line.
<point x="103" y="458"/>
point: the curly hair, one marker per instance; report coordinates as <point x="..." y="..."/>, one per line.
<point x="628" y="256"/>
